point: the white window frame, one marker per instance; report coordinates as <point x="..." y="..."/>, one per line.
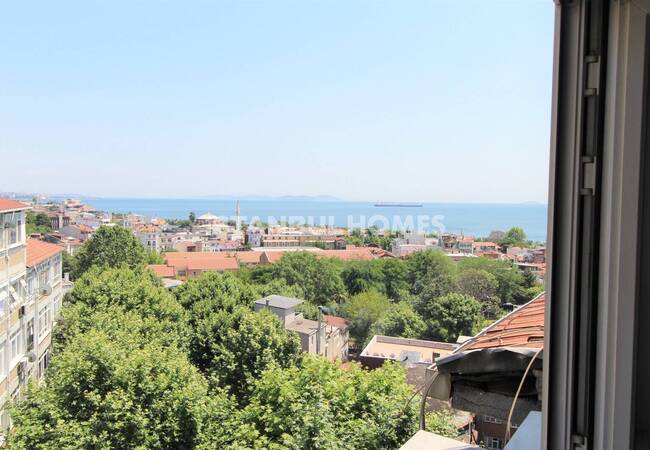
<point x="15" y="347"/>
<point x="44" y="321"/>
<point x="492" y="443"/>
<point x="3" y="359"/>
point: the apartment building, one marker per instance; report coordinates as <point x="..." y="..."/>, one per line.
<point x="328" y="338"/>
<point x="150" y="236"/>
<point x="30" y="299"/>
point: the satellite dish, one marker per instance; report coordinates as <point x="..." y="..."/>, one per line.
<point x="31" y="357"/>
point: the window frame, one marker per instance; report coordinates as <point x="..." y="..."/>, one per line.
<point x="588" y="401"/>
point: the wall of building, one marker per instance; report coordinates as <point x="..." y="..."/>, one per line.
<point x="30" y="301"/>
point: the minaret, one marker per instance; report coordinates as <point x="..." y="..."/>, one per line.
<point x="237" y="220"/>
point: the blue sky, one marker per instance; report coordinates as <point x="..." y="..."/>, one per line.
<point x="363" y="100"/>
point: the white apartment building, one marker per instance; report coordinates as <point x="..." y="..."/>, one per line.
<point x="30" y="300"/>
<point x="151" y="239"/>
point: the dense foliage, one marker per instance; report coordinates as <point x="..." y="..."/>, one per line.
<point x="110" y="246"/>
<point x="37" y="223"/>
<point x="136" y="366"/>
<point x="399" y="297"/>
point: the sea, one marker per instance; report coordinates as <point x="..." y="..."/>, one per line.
<point x="473" y="219"/>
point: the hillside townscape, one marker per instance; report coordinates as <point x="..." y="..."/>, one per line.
<point x="125" y="331"/>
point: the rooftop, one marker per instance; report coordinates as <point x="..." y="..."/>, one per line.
<point x="303" y="326"/>
<point x="279" y="301"/>
<point x="388" y="347"/>
<point x="523" y="327"/>
<point x="423" y="440"/>
<point x="38" y="251"/>
<point x="213" y="264"/>
<point x="335" y="321"/>
<point x="162" y="270"/>
<point x="208" y="216"/>
<point x="7" y="205"/>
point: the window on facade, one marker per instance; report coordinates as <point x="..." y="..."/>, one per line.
<point x="3" y="371"/>
<point x="492" y="443"/>
<point x="14" y="292"/>
<point x="13" y="234"/>
<point x="30" y="334"/>
<point x="14" y="342"/>
<point x="43" y="321"/>
<point x="31" y="285"/>
<point x="44" y="276"/>
<point x="43" y="363"/>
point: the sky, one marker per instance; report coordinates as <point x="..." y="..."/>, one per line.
<point x="432" y="100"/>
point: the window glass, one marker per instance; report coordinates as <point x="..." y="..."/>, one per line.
<point x="3" y="371"/>
<point x="15" y="344"/>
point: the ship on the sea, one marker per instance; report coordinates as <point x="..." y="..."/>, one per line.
<point x="398" y="205"/>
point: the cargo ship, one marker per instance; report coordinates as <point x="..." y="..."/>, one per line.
<point x="398" y="205"/>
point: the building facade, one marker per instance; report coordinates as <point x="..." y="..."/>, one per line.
<point x="323" y="337"/>
<point x="30" y="300"/>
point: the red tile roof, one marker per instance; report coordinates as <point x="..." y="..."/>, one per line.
<point x="524" y="327"/>
<point x="11" y="205"/>
<point x="271" y="257"/>
<point x="163" y="271"/>
<point x="485" y="244"/>
<point x="38" y="251"/>
<point x="84" y="228"/>
<point x="349" y="254"/>
<point x="363" y="253"/>
<point x="248" y="257"/>
<point x="335" y="321"/>
<point x="213" y="264"/>
<point x="202" y="260"/>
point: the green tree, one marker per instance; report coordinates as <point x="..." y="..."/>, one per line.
<point x="363" y="310"/>
<point x="37" y="223"/>
<point x="477" y="283"/>
<point x="360" y="276"/>
<point x="320" y="406"/>
<point x="442" y="423"/>
<point x="512" y="286"/>
<point x="319" y="278"/>
<point x="429" y="267"/>
<point x="110" y="391"/>
<point x="229" y="342"/>
<point x="122" y="290"/>
<point x="68" y="263"/>
<point x="234" y="347"/>
<point x="400" y="320"/>
<point x="279" y="287"/>
<point x="395" y="277"/>
<point x="216" y="291"/>
<point x="110" y="246"/>
<point x="452" y="315"/>
<point x="192" y="217"/>
<point x="514" y="237"/>
<point x="153" y="257"/>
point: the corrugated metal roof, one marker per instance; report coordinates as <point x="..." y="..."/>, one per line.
<point x="523" y="327"/>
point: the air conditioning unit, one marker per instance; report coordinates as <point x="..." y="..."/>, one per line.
<point x="30" y="357"/>
<point x="46" y="290"/>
